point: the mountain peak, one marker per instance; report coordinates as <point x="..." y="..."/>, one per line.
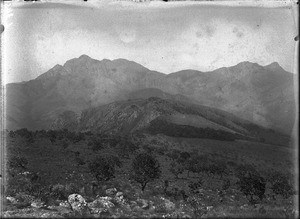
<point x="84" y="57"/>
<point x="57" y="67"/>
<point x="274" y="66"/>
<point x="247" y="64"/>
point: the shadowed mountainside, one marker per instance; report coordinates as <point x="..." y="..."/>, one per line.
<point x="173" y="118"/>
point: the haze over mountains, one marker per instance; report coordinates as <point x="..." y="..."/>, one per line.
<point x="263" y="95"/>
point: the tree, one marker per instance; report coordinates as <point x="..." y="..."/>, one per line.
<point x="102" y="169"/>
<point x="145" y="169"/>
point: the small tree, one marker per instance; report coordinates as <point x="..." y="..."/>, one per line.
<point x="145" y="169"/>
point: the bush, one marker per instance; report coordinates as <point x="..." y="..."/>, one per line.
<point x="177" y="169"/>
<point x="195" y="186"/>
<point x="18" y="163"/>
<point x="65" y="144"/>
<point x="102" y="168"/>
<point x="96" y="143"/>
<point x="58" y="191"/>
<point x="145" y="169"/>
<point x="251" y="183"/>
<point x="176" y="194"/>
<point x="217" y="168"/>
<point x="280" y="184"/>
<point x="198" y="164"/>
<point x="71" y="188"/>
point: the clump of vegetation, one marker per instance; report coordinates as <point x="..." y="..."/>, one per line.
<point x="280" y="184"/>
<point x="17" y="163"/>
<point x="145" y="169"/>
<point x="195" y="186"/>
<point x="103" y="168"/>
<point x="251" y="183"/>
<point x="96" y="143"/>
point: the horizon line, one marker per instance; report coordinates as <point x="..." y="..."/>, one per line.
<point x="187" y="69"/>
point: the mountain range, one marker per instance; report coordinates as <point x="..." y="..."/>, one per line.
<point x="247" y="92"/>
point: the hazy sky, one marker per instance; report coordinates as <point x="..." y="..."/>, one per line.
<point x="167" y="39"/>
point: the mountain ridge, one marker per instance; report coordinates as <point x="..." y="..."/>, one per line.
<point x="257" y="93"/>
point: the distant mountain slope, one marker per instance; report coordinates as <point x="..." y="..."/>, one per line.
<point x="170" y="117"/>
<point x="261" y="94"/>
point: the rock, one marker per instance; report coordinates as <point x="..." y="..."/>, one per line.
<point x="137" y="208"/>
<point x="170" y="206"/>
<point x="144" y="203"/>
<point x="63" y="210"/>
<point x="111" y="191"/>
<point x="38" y="204"/>
<point x="65" y="204"/>
<point x="133" y="203"/>
<point x="208" y="208"/>
<point x="78" y="204"/>
<point x="120" y="198"/>
<point x="101" y="204"/>
<point x="50" y="215"/>
<point x="11" y="200"/>
<point x="119" y="194"/>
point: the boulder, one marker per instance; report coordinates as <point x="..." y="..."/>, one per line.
<point x="78" y="204"/>
<point x="11" y="200"/>
<point x="38" y="204"/>
<point x="101" y="204"/>
<point x="143" y="202"/>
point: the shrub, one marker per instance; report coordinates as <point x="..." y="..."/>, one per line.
<point x="71" y="188"/>
<point x="251" y="183"/>
<point x="96" y="143"/>
<point x="18" y="183"/>
<point x="177" y="169"/>
<point x="145" y="169"/>
<point x="65" y="144"/>
<point x="102" y="169"/>
<point x="198" y="164"/>
<point x="18" y="163"/>
<point x="194" y="186"/>
<point x="125" y="148"/>
<point x="11" y="134"/>
<point x="25" y="133"/>
<point x="184" y="156"/>
<point x="52" y="135"/>
<point x="217" y="168"/>
<point x="58" y="191"/>
<point x="280" y="184"/>
<point x="176" y="193"/>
